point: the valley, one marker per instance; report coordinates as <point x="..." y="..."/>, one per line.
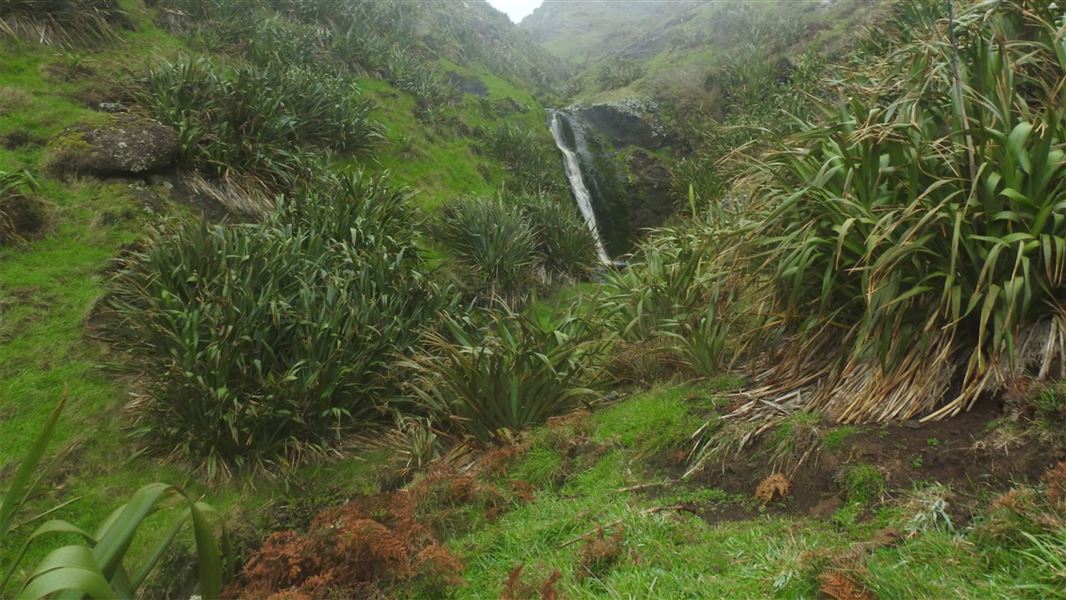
<point x="380" y="299"/>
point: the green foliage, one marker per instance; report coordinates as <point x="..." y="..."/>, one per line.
<point x="94" y="566"/>
<point x="671" y="281"/>
<point x="266" y="341"/>
<point x="701" y="341"/>
<point x="1047" y="555"/>
<point x="614" y="74"/>
<point x="531" y="161"/>
<point x="863" y="482"/>
<point x="261" y="125"/>
<point x="924" y="222"/>
<point x="510" y="375"/>
<point x="563" y="240"/>
<point x="60" y="22"/>
<point x="493" y="240"/>
<point x="22" y="214"/>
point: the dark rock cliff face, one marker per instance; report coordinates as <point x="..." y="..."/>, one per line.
<point x="623" y="125"/>
<point x="630" y="185"/>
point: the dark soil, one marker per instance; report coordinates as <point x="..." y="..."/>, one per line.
<point x="955" y="452"/>
<point x="23" y="217"/>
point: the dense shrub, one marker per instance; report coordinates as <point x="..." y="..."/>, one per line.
<point x="356" y="37"/>
<point x="618" y="73"/>
<point x="563" y="240"/>
<point x="512" y="374"/>
<point x="261" y="125"/>
<point x="514" y="245"/>
<point x="531" y="161"/>
<point x="60" y="22"/>
<point x="916" y="235"/>
<point x="266" y="341"/>
<point x="492" y="239"/>
<point x="672" y="278"/>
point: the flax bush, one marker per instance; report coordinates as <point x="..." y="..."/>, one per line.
<point x="266" y="342"/>
<point x="916" y="233"/>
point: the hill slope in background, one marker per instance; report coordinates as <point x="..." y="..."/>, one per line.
<point x="580" y="32"/>
<point x="668" y="51"/>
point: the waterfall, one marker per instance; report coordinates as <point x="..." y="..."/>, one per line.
<point x="572" y="167"/>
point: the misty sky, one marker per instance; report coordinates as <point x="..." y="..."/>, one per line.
<point x="516" y="9"/>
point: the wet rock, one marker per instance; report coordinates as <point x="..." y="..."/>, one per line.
<point x="628" y="123"/>
<point x="648" y="191"/>
<point x="129" y="145"/>
<point x="468" y="85"/>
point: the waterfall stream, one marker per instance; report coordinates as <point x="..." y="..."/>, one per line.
<point x="572" y="167"/>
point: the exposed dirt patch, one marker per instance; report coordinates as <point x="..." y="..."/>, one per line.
<point x="955" y="452"/>
<point x="20" y="139"/>
<point x="23" y="217"/>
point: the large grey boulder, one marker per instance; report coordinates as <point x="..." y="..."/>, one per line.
<point x="128" y="145"/>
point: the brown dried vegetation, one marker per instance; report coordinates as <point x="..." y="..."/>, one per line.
<point x="774" y="487"/>
<point x="839" y="586"/>
<point x="600" y="552"/>
<point x="517" y="587"/>
<point x="351" y="551"/>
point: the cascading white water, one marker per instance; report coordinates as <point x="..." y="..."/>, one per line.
<point x="572" y="167"/>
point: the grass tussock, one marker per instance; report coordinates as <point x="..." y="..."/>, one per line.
<point x="23" y="216"/>
<point x="65" y="23"/>
<point x="260" y="126"/>
<point x="912" y="238"/>
<point x="512" y="248"/>
<point x="514" y="373"/>
<point x="264" y="342"/>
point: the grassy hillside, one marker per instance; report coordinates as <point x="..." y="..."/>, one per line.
<point x="672" y="52"/>
<point x="314" y="263"/>
<point x="581" y="32"/>
<point x="51" y="286"/>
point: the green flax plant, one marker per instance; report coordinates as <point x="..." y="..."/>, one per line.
<point x="915" y="235"/>
<point x="563" y="240"/>
<point x="66" y="23"/>
<point x="261" y="126"/>
<point x="511" y="373"/>
<point x="494" y="241"/>
<point x="94" y="565"/>
<point x="266" y="342"/>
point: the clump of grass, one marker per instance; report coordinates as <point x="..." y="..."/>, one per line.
<point x="908" y="239"/>
<point x="493" y="240"/>
<point x="513" y="374"/>
<point x="616" y="73"/>
<point x="284" y="331"/>
<point x="260" y="125"/>
<point x="563" y="241"/>
<point x="13" y="99"/>
<point x="862" y="482"/>
<point x="513" y="247"/>
<point x="61" y="22"/>
<point x="531" y="160"/>
<point x="671" y="281"/>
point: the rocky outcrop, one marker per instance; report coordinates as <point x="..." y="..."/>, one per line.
<point x="627" y="123"/>
<point x="648" y="191"/>
<point x="628" y="183"/>
<point x="128" y="145"/>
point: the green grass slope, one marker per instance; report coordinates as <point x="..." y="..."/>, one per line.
<point x="50" y="286"/>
